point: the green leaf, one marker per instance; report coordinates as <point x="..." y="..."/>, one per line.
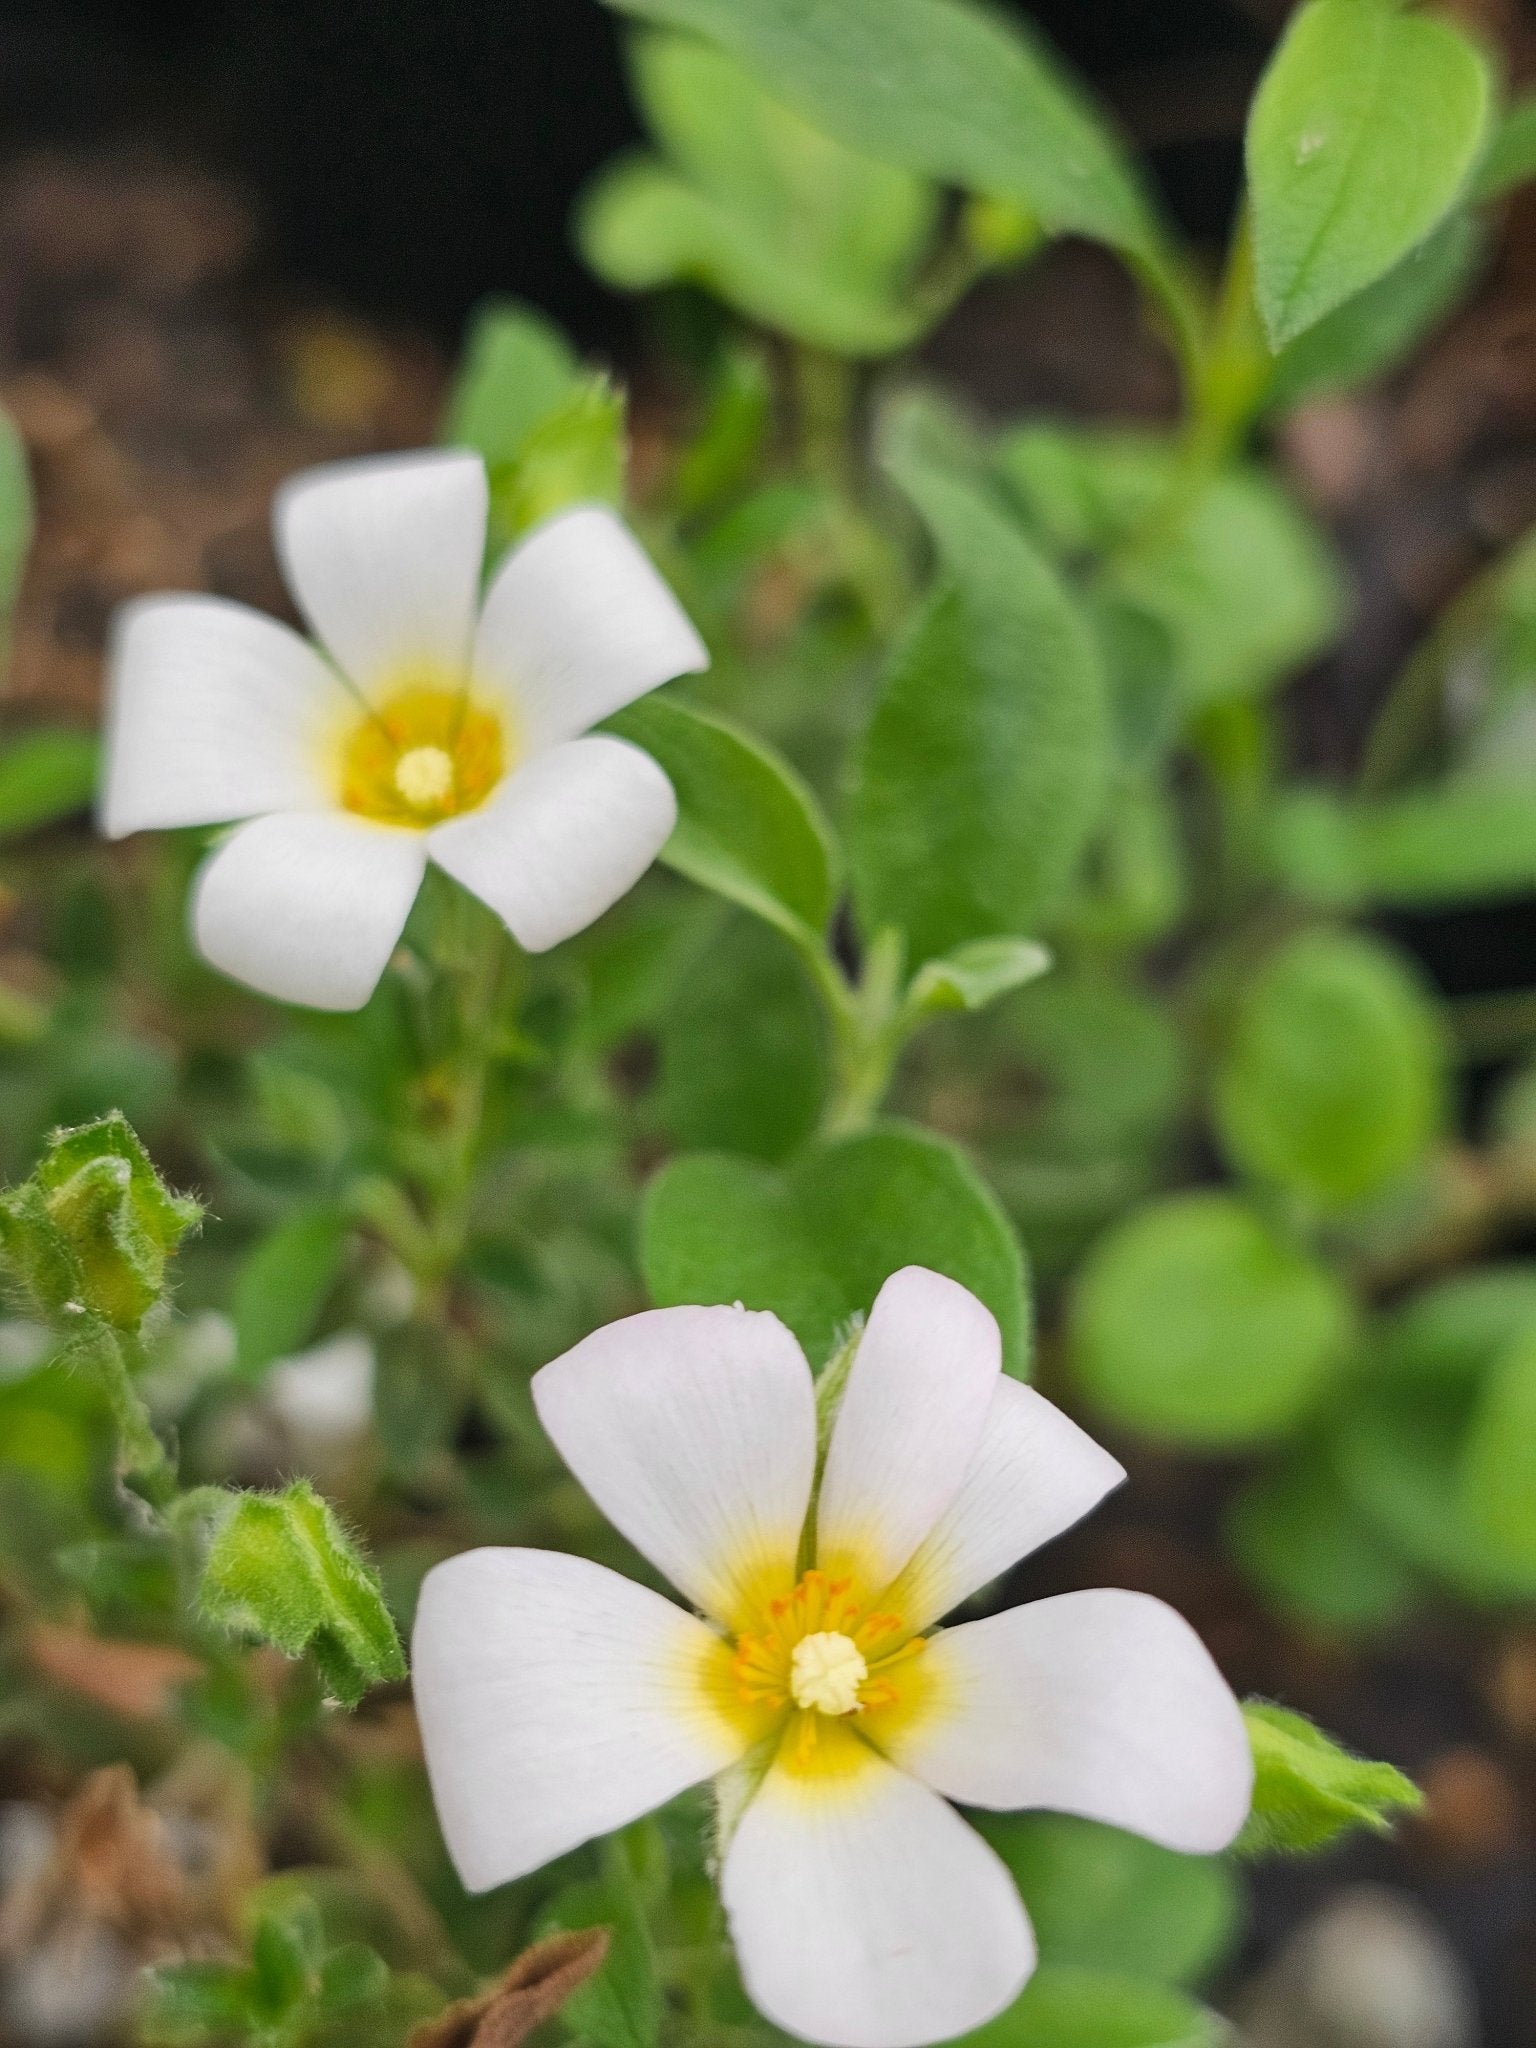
<point x="948" y="90"/>
<point x="1314" y="1556"/>
<point x="1101" y="1899"/>
<point x="1498" y="1460"/>
<point x="1510" y="158"/>
<point x="575" y="455"/>
<point x="1064" y="2007"/>
<point x="621" y="2005"/>
<point x="1448" y="1336"/>
<point x="552" y="434"/>
<point x="747" y="826"/>
<point x="1307" y="1789"/>
<point x="1398" y="1456"/>
<point x="788" y="226"/>
<point x="1193" y="1322"/>
<point x="816" y="1242"/>
<point x="1243" y="582"/>
<point x="722" y="457"/>
<point x="1365" y="129"/>
<point x="1462" y="841"/>
<point x="1379" y="328"/>
<point x="281" y="1568"/>
<point x="517" y="368"/>
<point x="984" y="768"/>
<point x="743" y="1058"/>
<point x="975" y="975"/>
<point x="283" y="1283"/>
<point x="1332" y="1081"/>
<point x="45" y="776"/>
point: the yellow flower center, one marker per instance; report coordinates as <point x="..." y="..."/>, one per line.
<point x="425" y="754"/>
<point x="818" y="1655"/>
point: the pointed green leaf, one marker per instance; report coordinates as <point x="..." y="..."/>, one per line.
<point x="1364" y="132"/>
<point x="747" y="825"/>
<point x="947" y="89"/>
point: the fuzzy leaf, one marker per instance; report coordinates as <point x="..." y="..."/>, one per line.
<point x="984" y="768"/>
<point x="747" y="826"/>
<point x="815" y="1242"/>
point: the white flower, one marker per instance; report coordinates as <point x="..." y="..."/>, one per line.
<point x="440" y="727"/>
<point x="559" y="1701"/>
<point x="323" y="1397"/>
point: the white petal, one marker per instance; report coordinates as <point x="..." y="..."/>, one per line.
<point x="563" y="839"/>
<point x="866" y="1914"/>
<point x="694" y="1430"/>
<point x="383" y="556"/>
<point x="557" y="1701"/>
<point x="214" y="712"/>
<point x="1105" y="1704"/>
<point x="909" y="1424"/>
<point x="307" y="906"/>
<point x="576" y="623"/>
<point x="1033" y="1475"/>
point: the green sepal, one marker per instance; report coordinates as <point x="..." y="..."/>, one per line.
<point x="1307" y="1789"/>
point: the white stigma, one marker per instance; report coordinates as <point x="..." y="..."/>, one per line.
<point x="825" y="1673"/>
<point x="424" y="775"/>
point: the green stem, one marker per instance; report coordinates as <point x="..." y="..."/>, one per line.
<point x="825" y="399"/>
<point x="142" y="1459"/>
<point x="869" y="1027"/>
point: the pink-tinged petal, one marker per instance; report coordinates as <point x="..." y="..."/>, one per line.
<point x="1105" y="1704"/>
<point x="576" y="623"/>
<point x="866" y="1914"/>
<point x="307" y="906"/>
<point x="557" y="1702"/>
<point x="565" y="837"/>
<point x="909" y="1423"/>
<point x="383" y="556"/>
<point x="694" y="1430"/>
<point x="214" y="712"/>
<point x="1033" y="1475"/>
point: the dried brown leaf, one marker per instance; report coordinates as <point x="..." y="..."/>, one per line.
<point x="531" y="1990"/>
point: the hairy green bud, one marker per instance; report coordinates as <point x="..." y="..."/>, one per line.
<point x="281" y="1569"/>
<point x="92" y="1231"/>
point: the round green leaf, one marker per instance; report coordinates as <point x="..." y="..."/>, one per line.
<point x="1101" y="1899"/>
<point x="1063" y="2007"/>
<point x="1364" y="131"/>
<point x="816" y="1242"/>
<point x="1332" y="1081"/>
<point x="1193" y="1322"/>
<point x="1314" y="1556"/>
